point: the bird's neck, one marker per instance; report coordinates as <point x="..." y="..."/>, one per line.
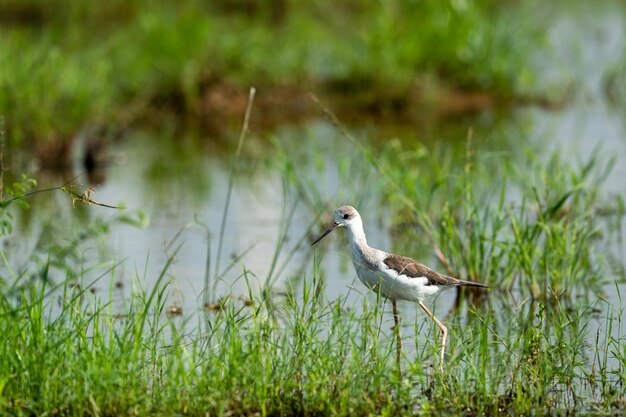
<point x="363" y="256"/>
<point x="357" y="238"/>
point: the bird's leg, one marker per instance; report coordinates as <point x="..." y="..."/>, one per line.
<point x="396" y="320"/>
<point x="444" y="333"/>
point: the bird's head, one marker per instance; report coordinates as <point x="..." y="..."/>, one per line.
<point x="344" y="216"/>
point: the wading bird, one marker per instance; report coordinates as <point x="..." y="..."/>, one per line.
<point x="394" y="277"/>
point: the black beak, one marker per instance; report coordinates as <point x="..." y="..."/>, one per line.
<point x="330" y="229"/>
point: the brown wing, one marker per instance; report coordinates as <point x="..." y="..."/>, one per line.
<point x="411" y="268"/>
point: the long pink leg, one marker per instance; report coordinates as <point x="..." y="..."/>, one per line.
<point x="396" y="320"/>
<point x="444" y="333"/>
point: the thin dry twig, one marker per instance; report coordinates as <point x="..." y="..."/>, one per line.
<point x="231" y="179"/>
<point x="82" y="197"/>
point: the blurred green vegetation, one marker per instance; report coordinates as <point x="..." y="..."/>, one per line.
<point x="68" y="64"/>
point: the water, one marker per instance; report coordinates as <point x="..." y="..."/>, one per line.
<point x="182" y="185"/>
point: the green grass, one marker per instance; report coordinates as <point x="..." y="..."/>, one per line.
<point x="73" y="354"/>
<point x="540" y="242"/>
<point x="68" y="66"/>
<point x="541" y="341"/>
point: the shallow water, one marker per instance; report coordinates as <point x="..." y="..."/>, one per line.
<point x="183" y="183"/>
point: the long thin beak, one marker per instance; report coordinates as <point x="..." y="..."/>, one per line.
<point x="330" y="229"/>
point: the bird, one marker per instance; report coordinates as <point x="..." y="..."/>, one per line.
<point x="395" y="277"/>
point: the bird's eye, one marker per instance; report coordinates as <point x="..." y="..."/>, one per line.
<point x="345" y="216"/>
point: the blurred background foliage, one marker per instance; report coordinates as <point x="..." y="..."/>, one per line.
<point x="71" y="64"/>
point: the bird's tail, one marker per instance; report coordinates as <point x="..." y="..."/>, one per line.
<point x="472" y="284"/>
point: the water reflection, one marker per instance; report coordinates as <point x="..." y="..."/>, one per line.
<point x="288" y="174"/>
<point x="277" y="198"/>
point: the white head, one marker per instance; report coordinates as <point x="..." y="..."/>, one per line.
<point x="344" y="216"/>
<point x="347" y="216"/>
